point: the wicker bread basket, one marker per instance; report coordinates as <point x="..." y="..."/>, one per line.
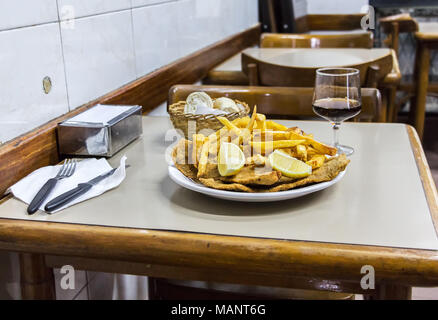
<point x="198" y="122"/>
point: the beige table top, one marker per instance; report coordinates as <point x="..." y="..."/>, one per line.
<point x="303" y="57"/>
<point x="380" y="201"/>
<point x="427" y="31"/>
<point x="428" y="27"/>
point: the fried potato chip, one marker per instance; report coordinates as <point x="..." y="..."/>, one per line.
<point x="230" y="126"/>
<point x="241" y="122"/>
<point x="203" y="159"/>
<point x="269" y="134"/>
<point x="198" y="141"/>
<point x="275" y="126"/>
<point x="301" y="152"/>
<point x="321" y="147"/>
<point x="250" y="124"/>
<point x="269" y="146"/>
<point x="311" y="151"/>
<point x="316" y="161"/>
<point x="295" y="129"/>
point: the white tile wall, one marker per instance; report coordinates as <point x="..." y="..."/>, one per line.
<point x="335" y="6"/>
<point x="28" y="55"/>
<point x="82" y="8"/>
<point x="98" y="55"/>
<point x="139" y="3"/>
<point x="156" y="35"/>
<point x="19" y="13"/>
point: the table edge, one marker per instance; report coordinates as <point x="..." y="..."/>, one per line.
<point x="427" y="181"/>
<point x="385" y="56"/>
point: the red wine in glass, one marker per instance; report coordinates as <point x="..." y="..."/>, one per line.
<point x="337" y="109"/>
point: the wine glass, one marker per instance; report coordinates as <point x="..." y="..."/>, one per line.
<point x="337" y="98"/>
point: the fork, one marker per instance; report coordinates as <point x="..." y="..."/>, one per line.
<point x="67" y="170"/>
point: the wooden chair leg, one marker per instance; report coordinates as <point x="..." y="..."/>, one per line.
<point x="418" y="109"/>
<point x="390" y="292"/>
<point x="372" y="77"/>
<point x="253" y="74"/>
<point x="37" y="280"/>
<point x="392" y="108"/>
<point x="395" y="36"/>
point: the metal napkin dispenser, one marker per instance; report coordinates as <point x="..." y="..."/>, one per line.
<point x="100" y="131"/>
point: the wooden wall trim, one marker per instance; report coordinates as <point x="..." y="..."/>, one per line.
<point x="38" y="147"/>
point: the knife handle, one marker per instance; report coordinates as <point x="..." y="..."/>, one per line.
<point x="44" y="192"/>
<point x="67" y="197"/>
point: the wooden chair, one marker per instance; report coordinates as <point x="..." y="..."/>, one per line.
<point x="291" y="40"/>
<point x="427" y="40"/>
<point x="417" y="86"/>
<point x="218" y="76"/>
<point x="263" y="73"/>
<point x="329" y="22"/>
<point x="396" y="24"/>
<point x="280" y="102"/>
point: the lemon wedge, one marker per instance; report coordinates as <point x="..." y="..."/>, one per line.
<point x="230" y="159"/>
<point x="289" y="166"/>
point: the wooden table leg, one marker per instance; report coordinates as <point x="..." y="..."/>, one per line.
<point x="418" y="107"/>
<point x="37" y="280"/>
<point x="390" y="292"/>
<point x="392" y="108"/>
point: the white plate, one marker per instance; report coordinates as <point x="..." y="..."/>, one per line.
<point x="185" y="182"/>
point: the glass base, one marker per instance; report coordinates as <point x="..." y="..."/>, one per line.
<point x="348" y="151"/>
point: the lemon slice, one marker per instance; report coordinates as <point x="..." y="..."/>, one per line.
<point x="230" y="159"/>
<point x="289" y="166"/>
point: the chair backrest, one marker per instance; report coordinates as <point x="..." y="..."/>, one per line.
<point x="264" y="73"/>
<point x="292" y="40"/>
<point x="280" y="102"/>
<point x="333" y="22"/>
<point x="396" y="24"/>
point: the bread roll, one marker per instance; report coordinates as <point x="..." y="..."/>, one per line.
<point x="197" y="99"/>
<point x="225" y="104"/>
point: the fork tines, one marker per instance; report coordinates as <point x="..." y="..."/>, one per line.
<point x="67" y="169"/>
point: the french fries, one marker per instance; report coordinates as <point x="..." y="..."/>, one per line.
<point x="203" y="159"/>
<point x="275" y="126"/>
<point x="301" y="152"/>
<point x="269" y="146"/>
<point x="320" y="147"/>
<point x="258" y="137"/>
<point x="197" y="142"/>
<point x="316" y="161"/>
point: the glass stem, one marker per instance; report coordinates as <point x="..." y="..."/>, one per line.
<point x="336" y="127"/>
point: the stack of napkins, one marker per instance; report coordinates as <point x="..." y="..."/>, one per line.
<point x="28" y="187"/>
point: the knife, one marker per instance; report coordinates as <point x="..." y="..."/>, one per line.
<point x="69" y="196"/>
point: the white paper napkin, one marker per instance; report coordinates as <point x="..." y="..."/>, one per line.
<point x="28" y="187"/>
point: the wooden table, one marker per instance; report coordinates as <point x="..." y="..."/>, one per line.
<point x="384" y="213"/>
<point x="230" y="72"/>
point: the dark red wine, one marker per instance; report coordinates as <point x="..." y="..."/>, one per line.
<point x="337" y="109"/>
